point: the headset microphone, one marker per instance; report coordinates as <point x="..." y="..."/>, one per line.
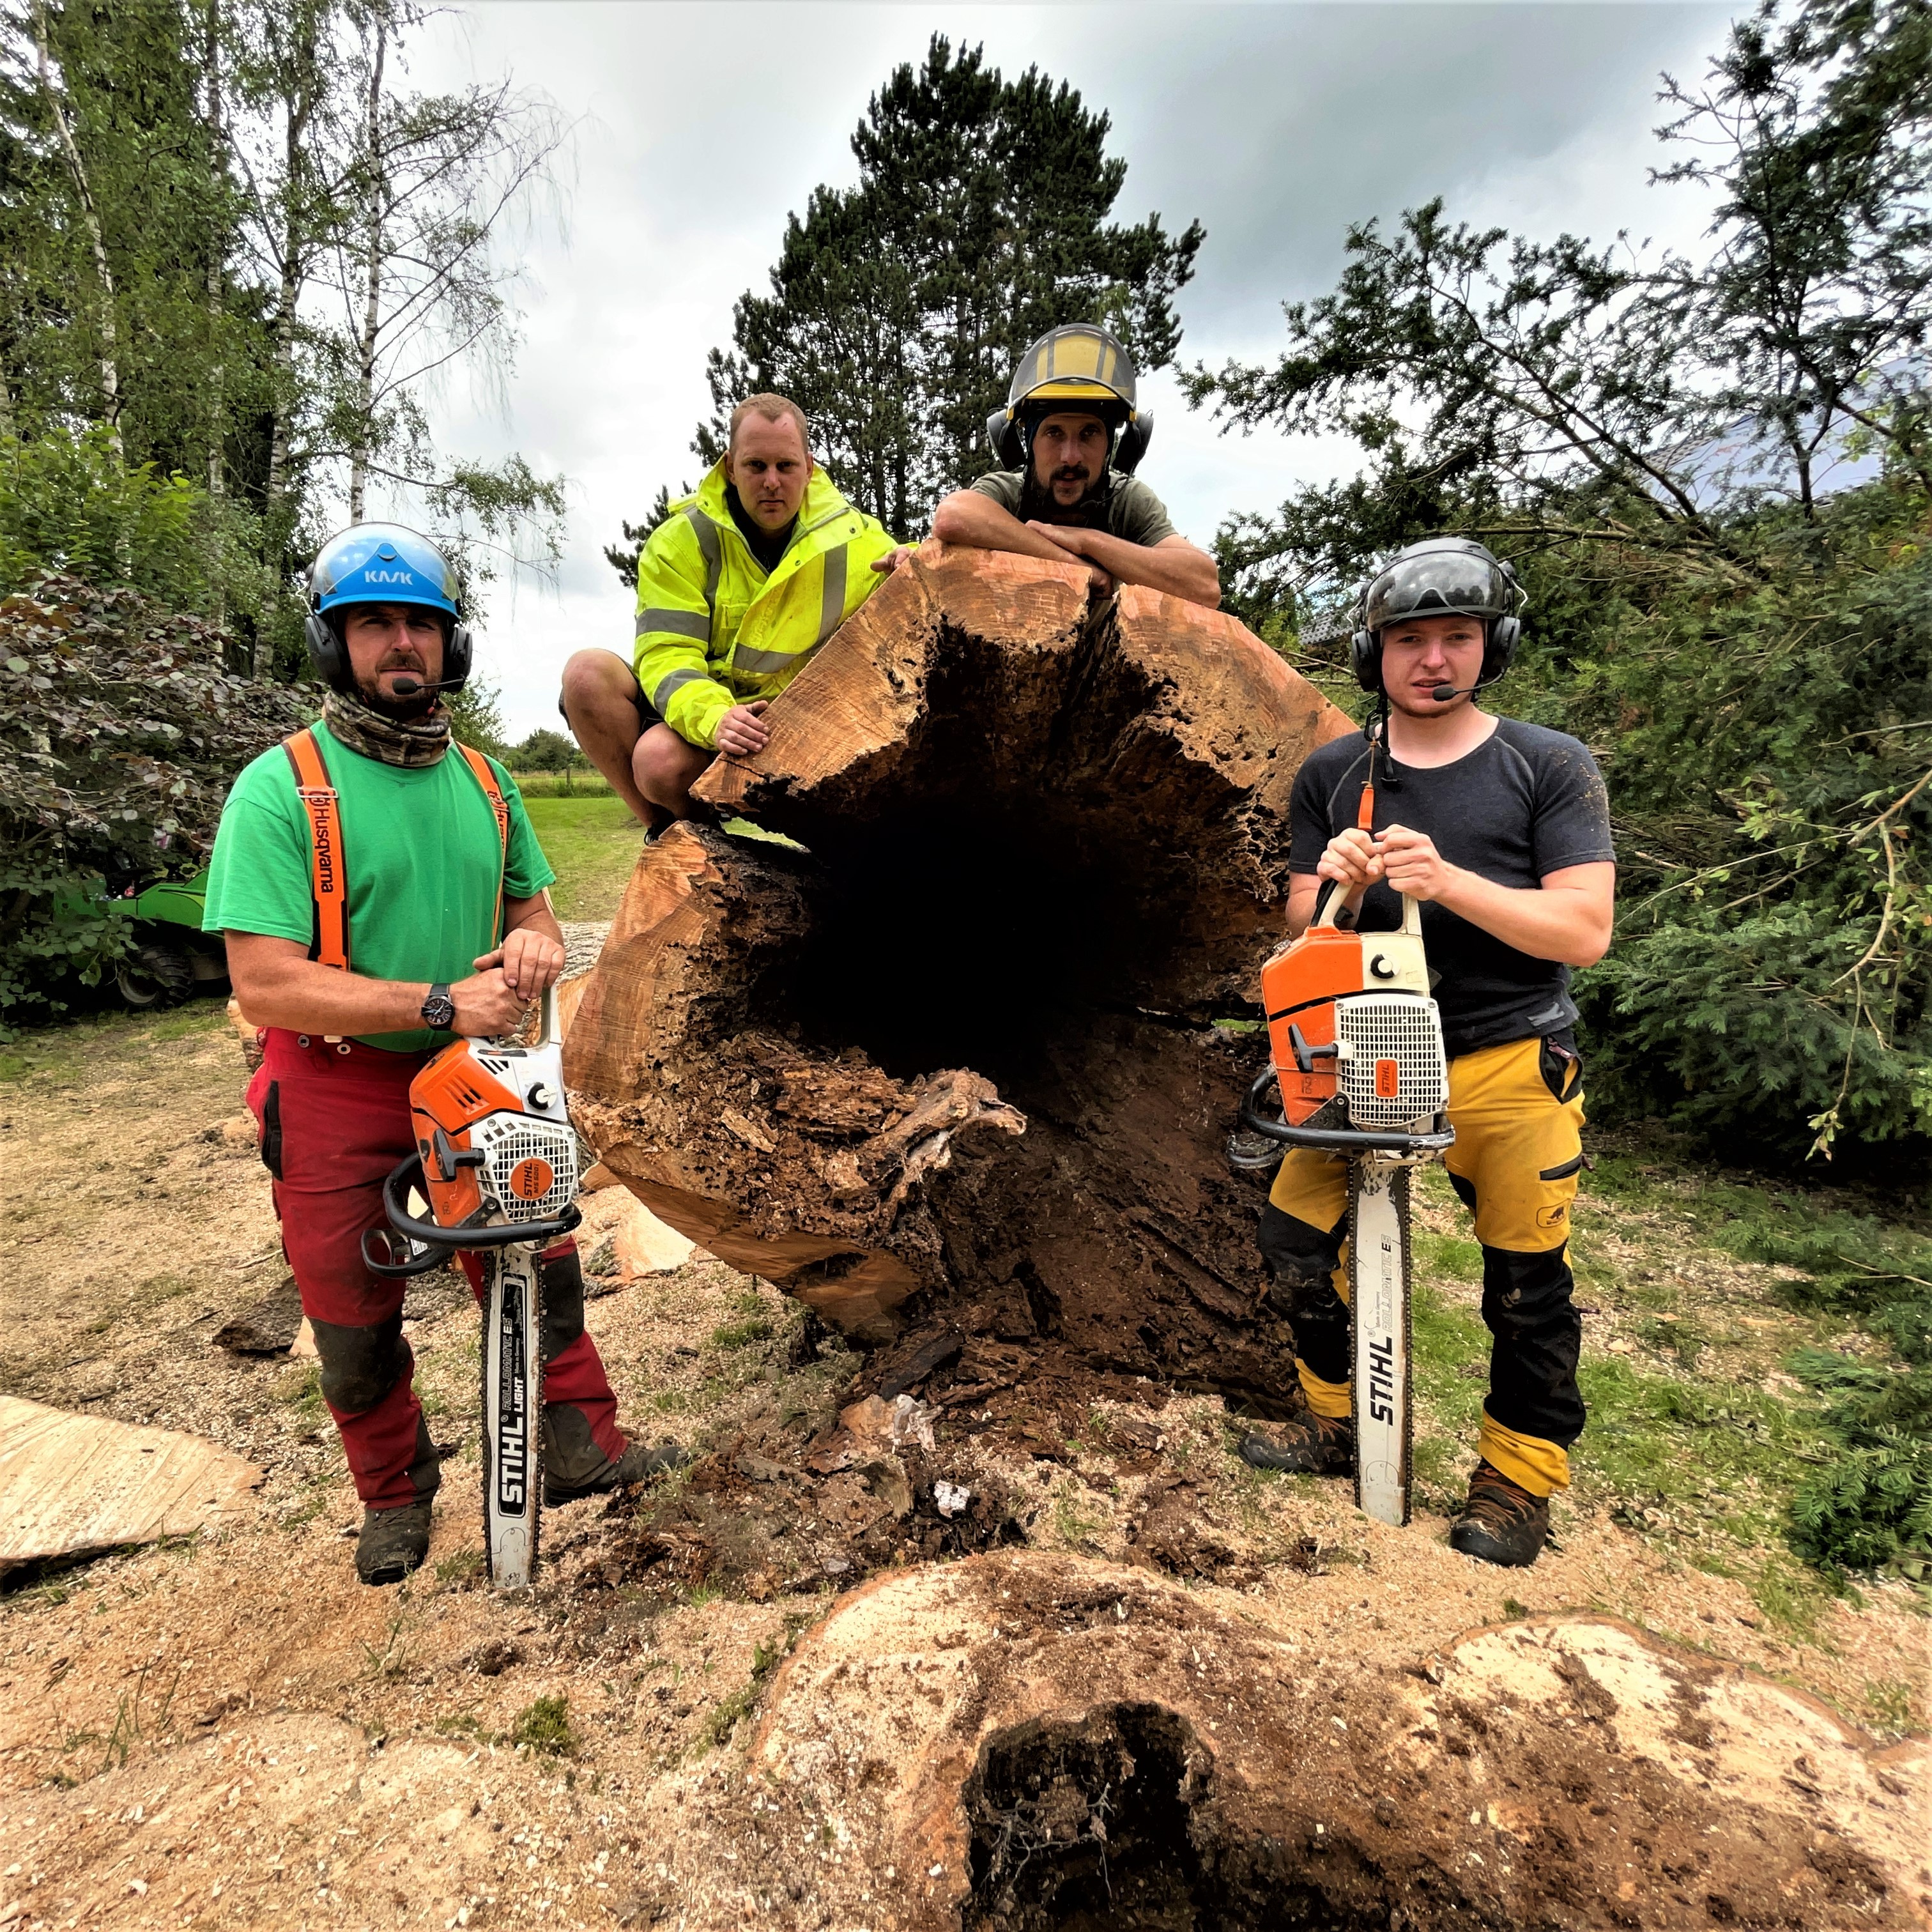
<point x="408" y="686"/>
<point x="1443" y="693"/>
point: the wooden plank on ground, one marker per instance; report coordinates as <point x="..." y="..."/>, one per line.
<point x="70" y="1484"/>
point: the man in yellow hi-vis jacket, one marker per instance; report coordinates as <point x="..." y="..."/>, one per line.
<point x="736" y="588"/>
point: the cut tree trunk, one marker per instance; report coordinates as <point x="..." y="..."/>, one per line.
<point x="954" y="1068"/>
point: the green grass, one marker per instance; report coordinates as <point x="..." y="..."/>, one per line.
<point x="544" y="1727"/>
<point x="593" y="842"/>
<point x="75" y="1048"/>
<point x="741" y="1334"/>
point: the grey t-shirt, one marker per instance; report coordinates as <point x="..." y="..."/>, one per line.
<point x="1525" y="803"/>
<point x="1134" y="513"/>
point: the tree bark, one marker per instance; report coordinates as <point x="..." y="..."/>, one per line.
<point x="369" y="333"/>
<point x="954" y="1069"/>
<point x="110" y="336"/>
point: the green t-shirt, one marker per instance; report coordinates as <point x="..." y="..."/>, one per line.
<point x="1134" y="513"/>
<point x="422" y="850"/>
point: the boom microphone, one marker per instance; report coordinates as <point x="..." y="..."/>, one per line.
<point x="1443" y="693"/>
<point x="408" y="685"/>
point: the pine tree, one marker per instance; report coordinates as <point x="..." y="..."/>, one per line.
<point x="898" y="306"/>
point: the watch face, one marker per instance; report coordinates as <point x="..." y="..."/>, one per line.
<point x="440" y="1013"/>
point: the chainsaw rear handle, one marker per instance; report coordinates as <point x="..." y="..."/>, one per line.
<point x="1335" y="1140"/>
<point x="437" y="1239"/>
<point x="1328" y="910"/>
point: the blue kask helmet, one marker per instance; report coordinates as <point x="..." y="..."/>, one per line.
<point x="381" y="563"/>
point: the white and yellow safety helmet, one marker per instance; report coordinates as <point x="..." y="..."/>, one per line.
<point x="1076" y="367"/>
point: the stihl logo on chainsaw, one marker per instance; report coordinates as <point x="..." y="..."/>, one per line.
<point x="532" y="1178"/>
<point x="1381" y="1378"/>
<point x="512" y="1456"/>
<point x="1388" y="1079"/>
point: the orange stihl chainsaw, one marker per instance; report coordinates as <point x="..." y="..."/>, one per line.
<point x="496" y="1158"/>
<point x="1356" y="1042"/>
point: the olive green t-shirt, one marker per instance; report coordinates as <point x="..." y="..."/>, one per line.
<point x="422" y="853"/>
<point x="1134" y="513"/>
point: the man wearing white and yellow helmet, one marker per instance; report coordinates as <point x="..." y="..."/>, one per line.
<point x="1070" y="436"/>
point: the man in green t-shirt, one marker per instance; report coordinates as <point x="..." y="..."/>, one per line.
<point x="449" y="931"/>
<point x="1071" y="435"/>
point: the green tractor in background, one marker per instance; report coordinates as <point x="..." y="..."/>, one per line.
<point x="170" y="958"/>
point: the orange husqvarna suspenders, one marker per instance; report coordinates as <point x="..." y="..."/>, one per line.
<point x="329" y="875"/>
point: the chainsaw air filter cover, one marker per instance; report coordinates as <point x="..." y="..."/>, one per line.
<point x="494" y="1135"/>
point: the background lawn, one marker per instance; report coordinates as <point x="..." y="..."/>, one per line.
<point x="593" y="842"/>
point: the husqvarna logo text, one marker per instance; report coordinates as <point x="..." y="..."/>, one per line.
<point x="325" y="854"/>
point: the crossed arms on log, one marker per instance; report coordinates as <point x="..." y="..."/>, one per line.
<point x="1173" y="565"/>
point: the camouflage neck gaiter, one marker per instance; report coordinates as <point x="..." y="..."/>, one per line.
<point x="412" y="742"/>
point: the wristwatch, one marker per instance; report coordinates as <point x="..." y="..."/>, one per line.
<point x="439" y="1010"/>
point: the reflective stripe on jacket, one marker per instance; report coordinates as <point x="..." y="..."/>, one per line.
<point x="713" y="630"/>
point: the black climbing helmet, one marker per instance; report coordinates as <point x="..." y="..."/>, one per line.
<point x="1442" y="577"/>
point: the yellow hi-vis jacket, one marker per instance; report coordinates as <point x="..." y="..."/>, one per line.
<point x="714" y="630"/>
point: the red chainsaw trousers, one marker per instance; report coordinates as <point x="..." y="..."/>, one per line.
<point x="335" y="1120"/>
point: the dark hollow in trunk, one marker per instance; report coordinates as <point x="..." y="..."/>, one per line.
<point x="956" y="1066"/>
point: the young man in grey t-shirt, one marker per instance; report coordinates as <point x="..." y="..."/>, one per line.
<point x="1502" y="831"/>
<point x="1066" y="424"/>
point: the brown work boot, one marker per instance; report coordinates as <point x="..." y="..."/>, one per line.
<point x="393" y="1542"/>
<point x="1316" y="1445"/>
<point x="1502" y="1523"/>
<point x="574" y="1467"/>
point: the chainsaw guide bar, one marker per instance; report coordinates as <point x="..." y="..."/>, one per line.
<point x="1380" y="1383"/>
<point x="512" y="1374"/>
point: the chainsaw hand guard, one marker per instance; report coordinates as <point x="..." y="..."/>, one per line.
<point x="1336" y="1140"/>
<point x="431" y="1234"/>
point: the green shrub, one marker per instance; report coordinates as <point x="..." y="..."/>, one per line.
<point x="68" y="506"/>
<point x="120" y="729"/>
<point x="1868" y="1505"/>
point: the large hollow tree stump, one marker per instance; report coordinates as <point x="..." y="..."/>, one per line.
<point x="951" y="1073"/>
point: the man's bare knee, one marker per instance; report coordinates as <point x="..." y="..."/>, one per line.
<point x="664" y="766"/>
<point x="596" y="681"/>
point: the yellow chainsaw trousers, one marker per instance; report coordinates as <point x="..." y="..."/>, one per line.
<point x="1518" y="1113"/>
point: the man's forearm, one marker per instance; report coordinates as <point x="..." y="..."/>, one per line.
<point x="305" y="996"/>
<point x="1179" y="569"/>
<point x="1546" y="923"/>
<point x="532" y="915"/>
<point x="968" y="517"/>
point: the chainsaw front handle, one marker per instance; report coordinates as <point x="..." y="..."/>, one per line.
<point x="1336" y="1140"/>
<point x="432" y="1235"/>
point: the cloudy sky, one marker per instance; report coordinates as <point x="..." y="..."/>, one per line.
<point x="700" y="127"/>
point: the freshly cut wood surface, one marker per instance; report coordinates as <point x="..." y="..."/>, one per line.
<point x="956" y="1059"/>
<point x="73" y="1483"/>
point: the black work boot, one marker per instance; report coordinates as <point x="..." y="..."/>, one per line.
<point x="1502" y="1523"/>
<point x="574" y="1467"/>
<point x="393" y="1542"/>
<point x="1317" y="1445"/>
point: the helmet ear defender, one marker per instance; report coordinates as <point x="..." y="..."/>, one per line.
<point x="326" y="651"/>
<point x="1010" y="445"/>
<point x="1003" y="432"/>
<point x="1135" y="435"/>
